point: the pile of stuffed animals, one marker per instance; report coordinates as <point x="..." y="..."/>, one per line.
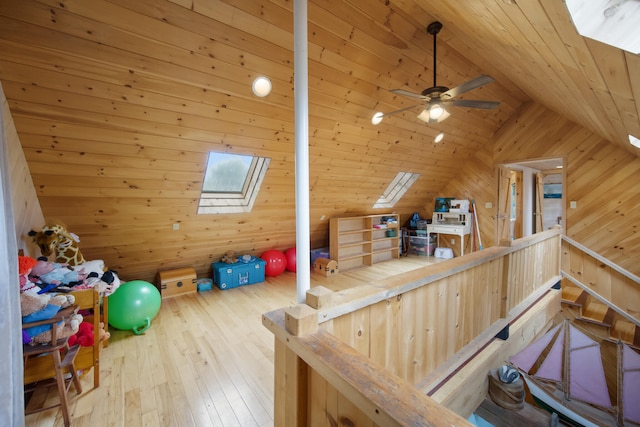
<point x="42" y="307"/>
<point x="50" y="276"/>
<point x="36" y="303"/>
<point x="38" y="306"/>
<point x="44" y="286"/>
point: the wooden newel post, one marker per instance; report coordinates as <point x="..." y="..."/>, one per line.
<point x="300" y="319"/>
<point x="291" y="380"/>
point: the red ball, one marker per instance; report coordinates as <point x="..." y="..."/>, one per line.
<point x="276" y="262"/>
<point x="290" y="254"/>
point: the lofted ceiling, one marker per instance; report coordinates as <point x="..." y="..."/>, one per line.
<point x="117" y="102"/>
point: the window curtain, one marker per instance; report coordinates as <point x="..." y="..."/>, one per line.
<point x="11" y="387"/>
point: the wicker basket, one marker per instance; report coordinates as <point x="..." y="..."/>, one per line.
<point x="508" y="396"/>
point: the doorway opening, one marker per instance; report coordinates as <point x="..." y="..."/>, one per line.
<point x="531" y="197"/>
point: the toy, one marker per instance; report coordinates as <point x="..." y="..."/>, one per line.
<point x="133" y="305"/>
<point x="25" y="264"/>
<point x="103" y="334"/>
<point x="290" y="254"/>
<point x="41" y="307"/>
<point x="54" y="273"/>
<point x="55" y="239"/>
<point x="276" y="262"/>
<point x="105" y="281"/>
<point x="229" y="257"/>
<point x="85" y="336"/>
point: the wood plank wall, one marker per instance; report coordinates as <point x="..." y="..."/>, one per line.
<point x="602" y="179"/>
<point x="601" y="173"/>
<point x="26" y="207"/>
<point x="476" y="181"/>
<point x="117" y="138"/>
<point x="118" y="103"/>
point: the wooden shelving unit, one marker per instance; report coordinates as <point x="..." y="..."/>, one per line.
<point x="359" y="241"/>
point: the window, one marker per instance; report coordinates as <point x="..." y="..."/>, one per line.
<point x="402" y="182"/>
<point x="231" y="183"/>
<point x="613" y="22"/>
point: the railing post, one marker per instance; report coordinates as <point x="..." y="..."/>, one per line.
<point x="504" y="285"/>
<point x="291" y="372"/>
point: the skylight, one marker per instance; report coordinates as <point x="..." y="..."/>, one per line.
<point x="634" y="141"/>
<point x="231" y="183"/>
<point x="613" y="22"/>
<point x="401" y="183"/>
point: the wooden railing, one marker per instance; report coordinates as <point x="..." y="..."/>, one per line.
<point x="370" y="355"/>
<point x="602" y="279"/>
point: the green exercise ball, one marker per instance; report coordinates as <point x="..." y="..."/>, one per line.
<point x="133" y="305"/>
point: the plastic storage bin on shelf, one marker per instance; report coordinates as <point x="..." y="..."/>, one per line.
<point x="319" y="253"/>
<point x="422" y="245"/>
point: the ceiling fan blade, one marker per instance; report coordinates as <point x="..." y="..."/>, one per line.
<point x="401" y="110"/>
<point x="466" y="87"/>
<point x="409" y="94"/>
<point x="472" y="103"/>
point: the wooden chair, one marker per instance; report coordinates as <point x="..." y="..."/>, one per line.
<point x="63" y="364"/>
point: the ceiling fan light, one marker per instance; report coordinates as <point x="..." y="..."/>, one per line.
<point x="377" y="118"/>
<point x="445" y="115"/>
<point x="424" y="115"/>
<point x="435" y="112"/>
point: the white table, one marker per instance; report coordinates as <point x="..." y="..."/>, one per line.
<point x="456" y="229"/>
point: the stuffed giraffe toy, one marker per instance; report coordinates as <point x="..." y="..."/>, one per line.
<point x="55" y="239"/>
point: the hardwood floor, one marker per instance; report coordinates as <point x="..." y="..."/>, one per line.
<point x="206" y="360"/>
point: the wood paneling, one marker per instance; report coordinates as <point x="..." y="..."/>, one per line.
<point x="602" y="179"/>
<point x="117" y="103"/>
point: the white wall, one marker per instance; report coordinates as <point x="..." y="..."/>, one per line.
<point x="26" y="207"/>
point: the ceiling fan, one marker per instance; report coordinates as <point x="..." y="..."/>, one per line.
<point x="435" y="99"/>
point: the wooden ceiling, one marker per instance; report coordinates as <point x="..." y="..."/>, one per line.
<point x="117" y="103"/>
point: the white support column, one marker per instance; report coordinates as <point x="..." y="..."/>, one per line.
<point x="301" y="92"/>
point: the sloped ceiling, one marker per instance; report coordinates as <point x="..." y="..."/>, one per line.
<point x="117" y="102"/>
<point x="536" y="46"/>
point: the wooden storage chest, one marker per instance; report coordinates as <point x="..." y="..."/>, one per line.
<point x="177" y="282"/>
<point x="326" y="267"/>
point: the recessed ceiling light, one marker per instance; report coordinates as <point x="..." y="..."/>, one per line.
<point x="634" y="141"/>
<point x="377" y="118"/>
<point x="261" y="86"/>
<point x="438" y="137"/>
